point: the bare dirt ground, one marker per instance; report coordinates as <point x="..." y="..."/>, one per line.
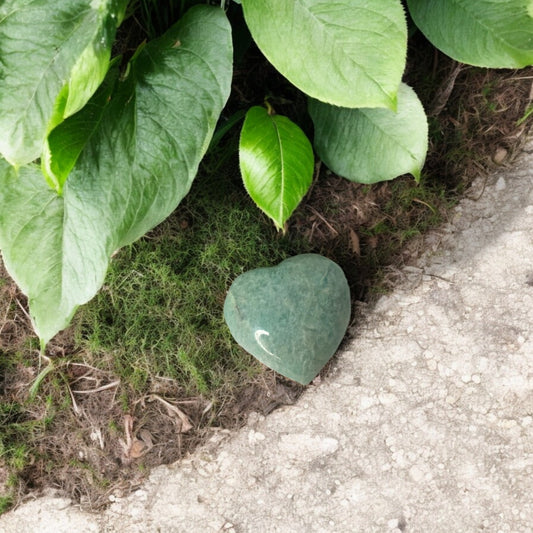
<point x="425" y="422"/>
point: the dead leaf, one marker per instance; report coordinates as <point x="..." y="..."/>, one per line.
<point x="132" y="447"/>
<point x="354" y="243"/>
<point x="138" y="449"/>
<point x="146" y="437"/>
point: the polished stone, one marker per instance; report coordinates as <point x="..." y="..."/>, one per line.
<point x="292" y="317"/>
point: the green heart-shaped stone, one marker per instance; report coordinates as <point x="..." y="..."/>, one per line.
<point x="293" y="316"/>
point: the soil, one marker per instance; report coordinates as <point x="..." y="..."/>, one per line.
<point x="474" y="126"/>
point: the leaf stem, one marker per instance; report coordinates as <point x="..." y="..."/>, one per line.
<point x="270" y="110"/>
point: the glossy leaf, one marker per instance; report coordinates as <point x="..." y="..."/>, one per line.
<point x="485" y="33"/>
<point x="348" y="53"/>
<point x="53" y="56"/>
<point x="371" y="145"/>
<point x="132" y="173"/>
<point x="276" y="161"/>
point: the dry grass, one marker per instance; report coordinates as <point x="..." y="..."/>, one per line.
<point x="477" y="116"/>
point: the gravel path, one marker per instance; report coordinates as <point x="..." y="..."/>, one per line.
<point x="426" y="424"/>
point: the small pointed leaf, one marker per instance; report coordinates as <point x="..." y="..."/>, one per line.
<point x="276" y="161"/>
<point x="371" y="145"/>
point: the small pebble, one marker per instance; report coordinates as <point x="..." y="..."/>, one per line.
<point x="499" y="156"/>
<point x="500" y="184"/>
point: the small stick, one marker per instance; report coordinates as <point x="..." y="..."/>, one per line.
<point x="99" y="389"/>
<point x="336" y="233"/>
<point x="444" y="92"/>
<point x="186" y="425"/>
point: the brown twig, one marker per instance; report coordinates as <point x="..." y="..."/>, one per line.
<point x="444" y="91"/>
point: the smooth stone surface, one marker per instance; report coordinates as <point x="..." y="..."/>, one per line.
<point x="293" y="316"/>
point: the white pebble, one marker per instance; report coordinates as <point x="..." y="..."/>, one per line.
<point x="500" y="184"/>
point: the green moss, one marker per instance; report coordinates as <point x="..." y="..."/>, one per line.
<point x="160" y="310"/>
<point x="6" y="503"/>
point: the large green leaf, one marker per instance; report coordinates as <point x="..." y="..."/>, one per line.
<point x="371" y="145"/>
<point x="349" y="53"/>
<point x="485" y="33"/>
<point x="134" y="170"/>
<point x="53" y="56"/>
<point x="276" y="161"/>
<point x="66" y="141"/>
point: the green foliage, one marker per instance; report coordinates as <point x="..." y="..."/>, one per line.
<point x="53" y="58"/>
<point x="485" y="33"/>
<point x="117" y="158"/>
<point x="276" y="162"/>
<point x="347" y="139"/>
<point x="156" y="17"/>
<point x="158" y="314"/>
<point x="6" y="502"/>
<point x="18" y="431"/>
<point x="137" y="165"/>
<point x="347" y="53"/>
<point x="66" y="142"/>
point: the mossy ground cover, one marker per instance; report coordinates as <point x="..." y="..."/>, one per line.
<point x="151" y="347"/>
<point x="159" y="311"/>
<point x="148" y="368"/>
